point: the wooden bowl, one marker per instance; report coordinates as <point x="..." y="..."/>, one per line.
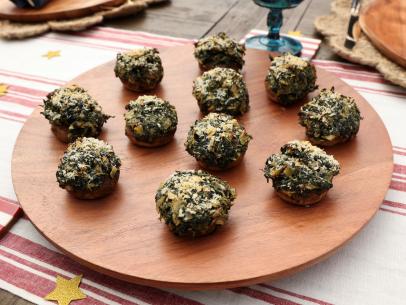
<point x="384" y="22"/>
<point x="265" y="237"/>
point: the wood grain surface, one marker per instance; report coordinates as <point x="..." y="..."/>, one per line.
<point x="54" y="10"/>
<point x="265" y="237"/>
<point x="384" y="22"/>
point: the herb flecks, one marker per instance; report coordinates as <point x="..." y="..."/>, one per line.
<point x="217" y="140"/>
<point x="72" y="108"/>
<point x="330" y="118"/>
<point x="219" y="51"/>
<point x="87" y="164"/>
<point x="301" y="169"/>
<point x="290" y="79"/>
<point x="139" y="69"/>
<point x="221" y="90"/>
<point x="149" y="118"/>
<point x="194" y="203"/>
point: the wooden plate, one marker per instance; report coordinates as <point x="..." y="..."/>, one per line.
<point x="265" y="238"/>
<point x="384" y="22"/>
<point x="54" y="10"/>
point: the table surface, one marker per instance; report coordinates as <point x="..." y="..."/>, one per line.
<point x="189" y="19"/>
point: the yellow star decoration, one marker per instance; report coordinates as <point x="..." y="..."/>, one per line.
<point x="295" y="33"/>
<point x="52" y="54"/>
<point x="66" y="291"/>
<point x="3" y="89"/>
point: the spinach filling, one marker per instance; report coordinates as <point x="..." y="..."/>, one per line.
<point x="217" y="140"/>
<point x="73" y="109"/>
<point x="219" y="51"/>
<point x="194" y="203"/>
<point x="290" y="78"/>
<point x="149" y="117"/>
<point x="301" y="169"/>
<point x="86" y="165"/>
<point x="330" y="115"/>
<point x="140" y="66"/>
<point x="221" y="90"/>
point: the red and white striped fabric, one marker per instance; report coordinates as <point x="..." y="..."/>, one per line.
<point x="371" y="269"/>
<point x="9" y="212"/>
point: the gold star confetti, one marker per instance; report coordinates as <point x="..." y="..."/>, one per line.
<point x="295" y="33"/>
<point x="66" y="291"/>
<point x="3" y="89"/>
<point x="52" y="54"/>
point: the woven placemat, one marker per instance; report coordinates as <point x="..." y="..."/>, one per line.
<point x="334" y="28"/>
<point x="14" y="30"/>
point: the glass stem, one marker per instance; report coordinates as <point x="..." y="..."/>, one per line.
<point x="274" y="22"/>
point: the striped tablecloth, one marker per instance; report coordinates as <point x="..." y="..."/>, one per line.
<point x="371" y="269"/>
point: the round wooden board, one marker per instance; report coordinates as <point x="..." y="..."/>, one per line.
<point x="55" y="10"/>
<point x="265" y="237"/>
<point x="384" y="23"/>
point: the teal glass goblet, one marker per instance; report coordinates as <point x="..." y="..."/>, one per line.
<point x="273" y="41"/>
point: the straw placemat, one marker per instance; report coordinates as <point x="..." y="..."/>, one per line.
<point x="334" y="28"/>
<point x="14" y="30"/>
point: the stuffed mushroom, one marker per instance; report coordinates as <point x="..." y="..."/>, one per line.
<point x="221" y="90"/>
<point x="89" y="169"/>
<point x="219" y="51"/>
<point x="73" y="113"/>
<point x="290" y="79"/>
<point x="139" y="70"/>
<point x="217" y="141"/>
<point x="301" y="173"/>
<point x="194" y="203"/>
<point x="150" y="121"/>
<point x="330" y="118"/>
